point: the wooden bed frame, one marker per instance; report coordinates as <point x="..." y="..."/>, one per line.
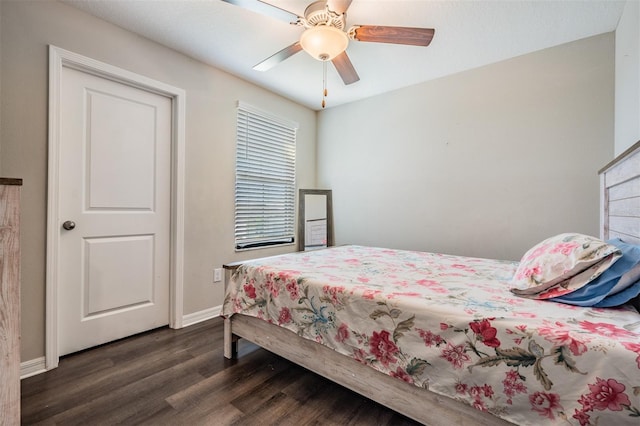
<point x="620" y="217"/>
<point x="620" y="197"/>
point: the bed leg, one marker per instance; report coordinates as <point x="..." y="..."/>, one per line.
<point x="230" y="341"/>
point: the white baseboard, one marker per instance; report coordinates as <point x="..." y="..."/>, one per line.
<point x="196" y="317"/>
<point x="32" y="367"/>
<point x="37" y="365"/>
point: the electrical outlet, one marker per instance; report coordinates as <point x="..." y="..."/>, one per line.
<point x="217" y="275"/>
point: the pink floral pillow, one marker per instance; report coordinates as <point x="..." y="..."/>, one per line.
<point x="562" y="264"/>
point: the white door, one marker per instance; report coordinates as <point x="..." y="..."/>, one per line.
<point x="115" y="195"/>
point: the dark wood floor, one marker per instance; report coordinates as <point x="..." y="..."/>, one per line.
<point x="180" y="377"/>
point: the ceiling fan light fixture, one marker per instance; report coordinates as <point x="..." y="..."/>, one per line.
<point x="324" y="42"/>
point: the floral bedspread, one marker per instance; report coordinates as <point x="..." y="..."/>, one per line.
<point x="450" y="324"/>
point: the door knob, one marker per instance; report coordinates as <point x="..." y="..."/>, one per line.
<point x="69" y="225"/>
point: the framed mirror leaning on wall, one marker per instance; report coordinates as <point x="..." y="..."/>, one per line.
<point x="315" y="219"/>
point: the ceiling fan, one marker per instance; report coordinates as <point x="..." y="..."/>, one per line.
<point x="325" y="37"/>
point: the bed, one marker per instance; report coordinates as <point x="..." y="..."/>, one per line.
<point x="443" y="339"/>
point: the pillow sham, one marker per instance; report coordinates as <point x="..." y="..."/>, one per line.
<point x="614" y="280"/>
<point x="570" y="260"/>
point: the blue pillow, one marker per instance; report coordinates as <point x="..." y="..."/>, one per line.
<point x="599" y="291"/>
<point x="620" y="298"/>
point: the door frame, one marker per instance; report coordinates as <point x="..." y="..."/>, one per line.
<point x="59" y="59"/>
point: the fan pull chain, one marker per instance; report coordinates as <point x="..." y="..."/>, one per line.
<point x="324" y="82"/>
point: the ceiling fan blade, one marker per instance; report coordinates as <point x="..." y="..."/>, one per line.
<point x="266" y="9"/>
<point x="395" y="35"/>
<point x="345" y="68"/>
<point x="338" y="6"/>
<point x="276" y="58"/>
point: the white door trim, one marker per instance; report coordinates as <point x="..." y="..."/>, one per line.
<point x="59" y="58"/>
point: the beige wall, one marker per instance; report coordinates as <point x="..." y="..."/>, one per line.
<point x="482" y="163"/>
<point x="627" y="89"/>
<point x="26" y="30"/>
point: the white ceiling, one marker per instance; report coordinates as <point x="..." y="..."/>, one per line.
<point x="469" y="34"/>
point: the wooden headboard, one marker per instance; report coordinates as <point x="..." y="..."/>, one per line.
<point x="620" y="197"/>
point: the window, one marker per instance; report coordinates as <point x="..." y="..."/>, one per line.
<point x="265" y="179"/>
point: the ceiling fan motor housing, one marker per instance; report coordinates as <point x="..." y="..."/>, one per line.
<point x="317" y="13"/>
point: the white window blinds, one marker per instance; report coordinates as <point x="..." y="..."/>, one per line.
<point x="265" y="179"/>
